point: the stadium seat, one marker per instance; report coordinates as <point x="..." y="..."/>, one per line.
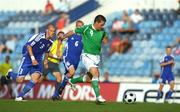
<point x="177" y="24"/>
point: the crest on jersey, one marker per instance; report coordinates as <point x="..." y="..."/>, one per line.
<point x="166" y="59"/>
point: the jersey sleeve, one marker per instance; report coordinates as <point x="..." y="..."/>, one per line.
<point x="53" y="47"/>
<point x="161" y="60"/>
<point x="34" y="39"/>
<point x="49" y="48"/>
<point x="81" y="29"/>
<point x="172" y="57"/>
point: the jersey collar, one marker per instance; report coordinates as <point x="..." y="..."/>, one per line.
<point x="93" y="27"/>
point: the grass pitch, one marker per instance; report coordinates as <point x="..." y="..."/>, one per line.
<point x="83" y="106"/>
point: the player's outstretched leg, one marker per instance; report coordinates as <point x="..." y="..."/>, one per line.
<point x="95" y="85"/>
<point x="168" y="97"/>
<point x="94" y="74"/>
<point x="77" y="80"/>
<point x="56" y="92"/>
<point x="63" y="84"/>
<point x="69" y="74"/>
<point x="159" y="95"/>
<point x="57" y="86"/>
<point x="26" y="89"/>
<point x="34" y="79"/>
<point x="11" y="75"/>
<point x="170" y="92"/>
<point x="85" y="78"/>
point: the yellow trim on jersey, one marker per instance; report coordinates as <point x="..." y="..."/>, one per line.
<point x="54" y="50"/>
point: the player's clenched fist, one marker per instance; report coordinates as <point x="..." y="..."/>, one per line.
<point x="34" y="62"/>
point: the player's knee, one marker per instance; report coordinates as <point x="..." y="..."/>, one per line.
<point x="94" y="71"/>
<point x="58" y="78"/>
<point x="90" y="76"/>
<point x="35" y="80"/>
<point x="71" y="73"/>
<point x="88" y="79"/>
<point x="41" y="79"/>
<point x="19" y="79"/>
<point x="172" y="84"/>
<point x="35" y="77"/>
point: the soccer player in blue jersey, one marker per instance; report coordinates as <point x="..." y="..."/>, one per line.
<point x="31" y="63"/>
<point x="71" y="56"/>
<point x="167" y="64"/>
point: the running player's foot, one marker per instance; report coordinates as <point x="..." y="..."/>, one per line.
<point x="169" y="101"/>
<point x="8" y="74"/>
<point x="158" y="101"/>
<point x="19" y="99"/>
<point x="159" y="95"/>
<point x="73" y="86"/>
<point x="55" y="98"/>
<point x="100" y="99"/>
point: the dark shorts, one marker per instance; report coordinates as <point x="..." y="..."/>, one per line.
<point x="166" y="77"/>
<point x="25" y="69"/>
<point x="52" y="67"/>
<point x="68" y="62"/>
<point x="5" y="81"/>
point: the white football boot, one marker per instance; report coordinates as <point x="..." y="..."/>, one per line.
<point x="19" y="99"/>
<point x="100" y="99"/>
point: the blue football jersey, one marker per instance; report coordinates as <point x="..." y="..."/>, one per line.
<point x="39" y="45"/>
<point x="73" y="47"/>
<point x="168" y="69"/>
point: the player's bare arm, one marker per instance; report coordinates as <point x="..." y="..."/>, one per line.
<point x="172" y="62"/>
<point x="46" y="60"/>
<point x="164" y="64"/>
<point x="68" y="34"/>
<point x="54" y="56"/>
<point x="34" y="61"/>
<point x="167" y="63"/>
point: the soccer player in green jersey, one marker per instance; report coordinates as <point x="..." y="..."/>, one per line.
<point x="92" y="35"/>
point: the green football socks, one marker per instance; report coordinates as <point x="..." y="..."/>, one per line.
<point x="95" y="86"/>
<point x="77" y="80"/>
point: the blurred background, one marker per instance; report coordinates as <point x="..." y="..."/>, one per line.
<point x="138" y="30"/>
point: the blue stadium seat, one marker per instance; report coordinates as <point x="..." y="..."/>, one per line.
<point x="172" y="30"/>
<point x="165" y="17"/>
<point x="166" y="30"/>
<point x="177" y="24"/>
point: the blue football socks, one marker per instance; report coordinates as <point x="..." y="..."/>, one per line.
<point x="27" y="88"/>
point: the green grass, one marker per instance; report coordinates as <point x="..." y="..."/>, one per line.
<point x="83" y="106"/>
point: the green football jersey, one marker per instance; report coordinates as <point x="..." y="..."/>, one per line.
<point x="92" y="39"/>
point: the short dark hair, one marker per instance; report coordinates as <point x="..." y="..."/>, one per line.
<point x="80" y="21"/>
<point x="60" y="32"/>
<point x="168" y="47"/>
<point x="49" y="25"/>
<point x="99" y="18"/>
